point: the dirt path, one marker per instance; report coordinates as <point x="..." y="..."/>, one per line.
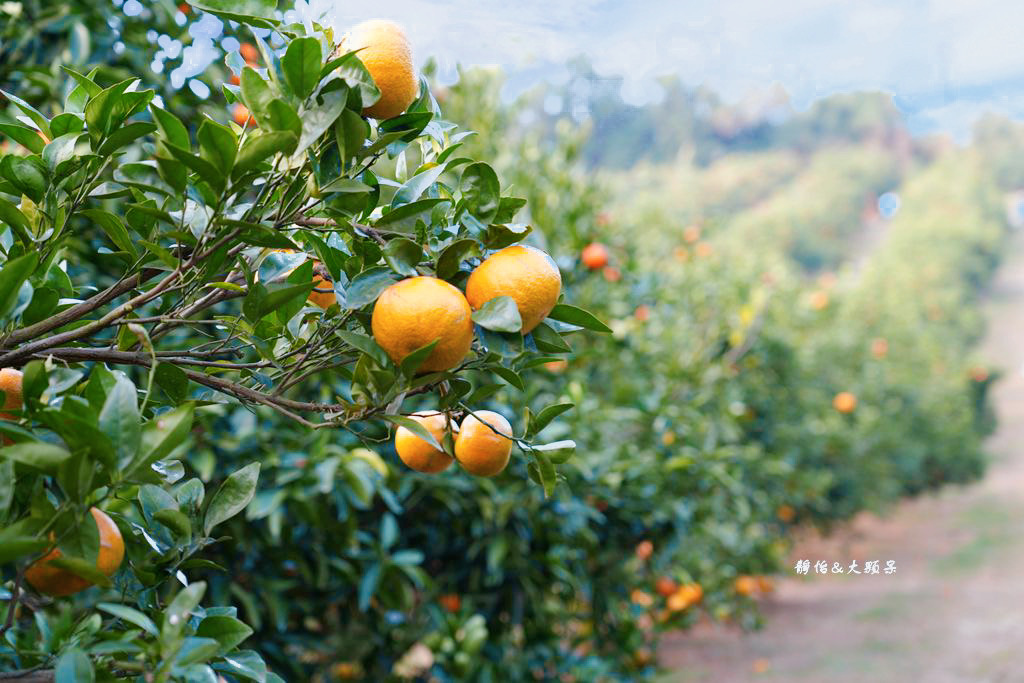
<point x="953" y="612"/>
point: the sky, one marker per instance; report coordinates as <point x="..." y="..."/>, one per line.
<point x="945" y="61"/>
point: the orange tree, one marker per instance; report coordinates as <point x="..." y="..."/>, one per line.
<point x="747" y="394"/>
<point x="202" y="317"/>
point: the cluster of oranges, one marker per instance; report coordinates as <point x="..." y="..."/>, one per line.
<point x="43" y="575"/>
<point x="422" y="310"/>
<point x="747" y="585"/>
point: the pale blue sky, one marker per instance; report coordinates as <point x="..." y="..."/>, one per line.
<point x="944" y="60"/>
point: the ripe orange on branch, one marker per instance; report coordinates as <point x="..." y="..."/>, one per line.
<point x="417" y="311"/>
<point x="51" y="580"/>
<point x="595" y="256"/>
<point x="483" y="446"/>
<point x="417" y="453"/>
<point x="385" y="51"/>
<point x="10" y="383"/>
<point x="526" y="274"/>
<point x="845" y="402"/>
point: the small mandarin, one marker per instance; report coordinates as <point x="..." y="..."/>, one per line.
<point x="845" y="402"/>
<point x="416" y="453"/>
<point x="595" y="256"/>
<point x="51" y="580"/>
<point x="525" y="274"/>
<point x="481" y="446"/>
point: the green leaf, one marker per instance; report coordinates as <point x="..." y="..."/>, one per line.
<point x="509" y="376"/>
<point x="403" y="255"/>
<point x="24" y="136"/>
<point x="258" y="13"/>
<point x="481" y="191"/>
<point x="120" y="420"/>
<point x="161" y="435"/>
<point x="201" y="166"/>
<point x="549" y="341"/>
<point x="218" y="145"/>
<point x="499" y="314"/>
<point x="12" y="276"/>
<point x="452" y="256"/>
<point x="132" y="616"/>
<point x="171" y="127"/>
<point x="113" y="227"/>
<point x="257" y="95"/>
<point x="578" y="316"/>
<point x="28" y="174"/>
<point x="124" y="135"/>
<point x="412" y="362"/>
<point x="416" y="186"/>
<point x="414" y="427"/>
<point x="7" y="481"/>
<point x="172" y="380"/>
<point x="501" y="236"/>
<point x="282" y="116"/>
<point x="37" y="118"/>
<point x="74" y="667"/>
<point x="365" y="344"/>
<point x="544" y="417"/>
<point x="195" y="650"/>
<point x="227" y="631"/>
<point x="176" y="521"/>
<point x="14" y="547"/>
<point x="42" y="456"/>
<point x="261" y="146"/>
<point x="368" y="585"/>
<point x="318" y="120"/>
<point x="404" y="218"/>
<point x="508" y="207"/>
<point x="90" y="86"/>
<point x="246" y="664"/>
<point x="368" y="285"/>
<point x="13" y="217"/>
<point x="99" y="111"/>
<point x="268" y="301"/>
<point x="301" y="66"/>
<point x="232" y="497"/>
<point x="546" y="471"/>
<point x="354" y="73"/>
<point x="176" y="614"/>
<point x="351" y="131"/>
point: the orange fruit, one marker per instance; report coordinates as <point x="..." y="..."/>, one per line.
<point x="644" y="549"/>
<point x="703" y="249"/>
<point x="765" y="584"/>
<point x="745" y="585"/>
<point x="681" y="254"/>
<point x="526" y="274"/>
<point x="666" y="586"/>
<point x="879" y="348"/>
<point x="639" y="597"/>
<point x="691" y="235"/>
<point x="450" y="602"/>
<point x="786" y="513"/>
<point x="417" y="311"/>
<point x="819" y="300"/>
<point x="844" y="402"/>
<point x="240" y="114"/>
<point x="693" y="592"/>
<point x="595" y="256"/>
<point x="416" y="453"/>
<point x="249" y="53"/>
<point x="642" y="313"/>
<point x="557" y="366"/>
<point x="385" y="51"/>
<point x="978" y="374"/>
<point x="478" y="448"/>
<point x="323" y="292"/>
<point x="58" y="582"/>
<point x="10" y="383"/>
<point x="611" y="273"/>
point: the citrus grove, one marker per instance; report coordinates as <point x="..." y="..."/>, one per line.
<point x="293" y="384"/>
